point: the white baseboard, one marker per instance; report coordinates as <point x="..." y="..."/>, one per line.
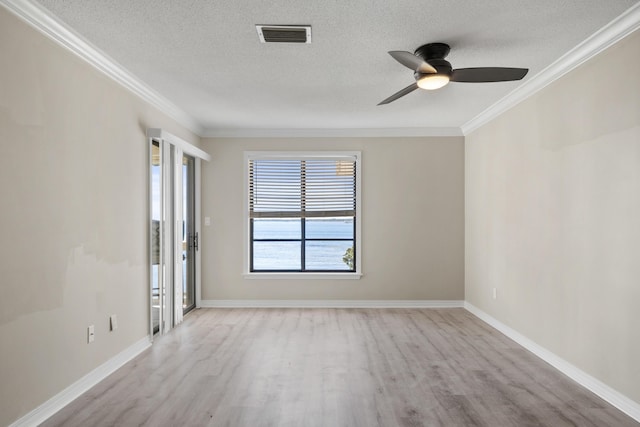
<point x="66" y="396"/>
<point x="592" y="384"/>
<point x="269" y="303"/>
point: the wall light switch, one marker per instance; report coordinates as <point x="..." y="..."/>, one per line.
<point x="207" y="221"/>
<point x="113" y="322"/>
<point x="495" y="293"/>
<point x="91" y="334"/>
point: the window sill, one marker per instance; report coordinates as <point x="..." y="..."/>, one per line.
<point x="303" y="276"/>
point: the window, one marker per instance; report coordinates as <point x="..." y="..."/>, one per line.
<point x="303" y="212"/>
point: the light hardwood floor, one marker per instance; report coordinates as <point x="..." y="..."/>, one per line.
<point x="337" y="367"/>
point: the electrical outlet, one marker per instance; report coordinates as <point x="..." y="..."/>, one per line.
<point x="495" y="293"/>
<point x="91" y="334"/>
<point x="113" y="322"/>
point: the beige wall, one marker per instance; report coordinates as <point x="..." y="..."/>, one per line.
<point x="553" y="217"/>
<point x="412" y="221"/>
<point x="73" y="221"/>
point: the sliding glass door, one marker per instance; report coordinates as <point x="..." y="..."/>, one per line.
<point x="173" y="228"/>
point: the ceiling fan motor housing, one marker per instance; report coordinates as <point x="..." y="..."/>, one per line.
<point x="431" y="51"/>
<point x="434" y="54"/>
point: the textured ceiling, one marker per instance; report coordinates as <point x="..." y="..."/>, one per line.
<point x="205" y="56"/>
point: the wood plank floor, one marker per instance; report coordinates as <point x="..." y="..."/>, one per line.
<point x="337" y="367"/>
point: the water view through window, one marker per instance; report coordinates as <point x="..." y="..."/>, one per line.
<point x="278" y="244"/>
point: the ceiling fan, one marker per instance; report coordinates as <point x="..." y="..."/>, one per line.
<point x="432" y="71"/>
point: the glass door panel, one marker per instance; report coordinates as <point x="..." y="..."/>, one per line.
<point x="189" y="235"/>
<point x="156" y="241"/>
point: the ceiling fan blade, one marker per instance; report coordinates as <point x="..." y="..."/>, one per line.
<point x="488" y="74"/>
<point x="400" y="94"/>
<point x="409" y="60"/>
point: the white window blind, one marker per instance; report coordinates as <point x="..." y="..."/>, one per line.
<point x="302" y="188"/>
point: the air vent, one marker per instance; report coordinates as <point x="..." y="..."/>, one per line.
<point x="284" y="33"/>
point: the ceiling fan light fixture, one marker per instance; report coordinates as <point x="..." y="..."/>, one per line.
<point x="433" y="81"/>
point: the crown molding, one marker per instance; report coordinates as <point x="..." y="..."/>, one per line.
<point x="604" y="38"/>
<point x="43" y="21"/>
<point x="332" y="133"/>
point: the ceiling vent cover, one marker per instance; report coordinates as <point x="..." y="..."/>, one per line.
<point x="284" y="33"/>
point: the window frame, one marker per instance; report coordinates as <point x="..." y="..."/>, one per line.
<point x="303" y="155"/>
